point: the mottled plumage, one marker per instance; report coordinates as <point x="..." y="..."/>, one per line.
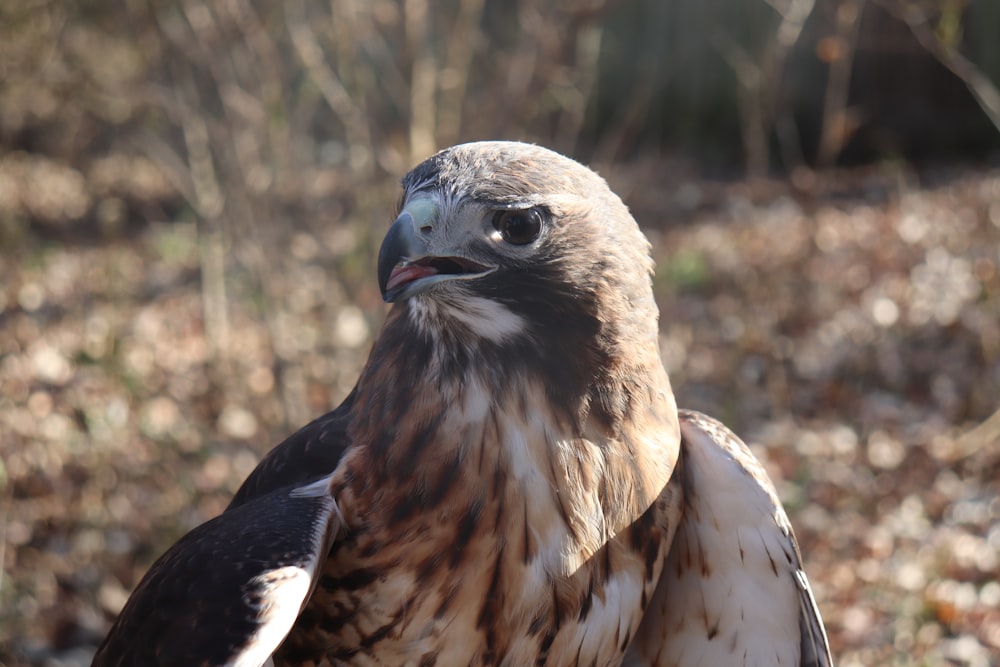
<point x="509" y="483"/>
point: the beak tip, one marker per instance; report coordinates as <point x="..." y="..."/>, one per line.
<point x="400" y="242"/>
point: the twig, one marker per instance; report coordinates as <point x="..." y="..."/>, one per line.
<point x="458" y="62"/>
<point x="423" y="80"/>
<point x="835" y="129"/>
<point x="759" y="81"/>
<point x="983" y="436"/>
<point x="750" y="83"/>
<point x="310" y="54"/>
<point x="982" y="88"/>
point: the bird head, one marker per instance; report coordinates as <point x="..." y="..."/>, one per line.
<point x="506" y="240"/>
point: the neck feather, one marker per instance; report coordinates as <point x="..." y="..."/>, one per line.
<point x="445" y="417"/>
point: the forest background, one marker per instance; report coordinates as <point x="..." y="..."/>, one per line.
<point x="192" y="194"/>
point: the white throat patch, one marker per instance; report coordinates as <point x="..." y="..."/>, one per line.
<point x="485" y="318"/>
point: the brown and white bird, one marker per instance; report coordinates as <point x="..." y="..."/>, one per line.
<point x="509" y="483"/>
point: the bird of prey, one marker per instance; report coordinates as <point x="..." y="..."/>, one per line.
<point x="509" y="483"/>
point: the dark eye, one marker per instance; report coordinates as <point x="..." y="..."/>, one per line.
<point x="518" y="226"/>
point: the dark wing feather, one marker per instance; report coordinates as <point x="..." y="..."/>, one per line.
<point x="815" y="645"/>
<point x="311" y="452"/>
<point x="229" y="591"/>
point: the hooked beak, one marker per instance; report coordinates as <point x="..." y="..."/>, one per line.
<point x="406" y="266"/>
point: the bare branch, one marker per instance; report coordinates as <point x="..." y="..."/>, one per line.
<point x="423" y="80"/>
<point x="982" y="88"/>
<point x="759" y="81"/>
<point x="311" y="55"/>
<point x="836" y="127"/>
<point x="455" y="74"/>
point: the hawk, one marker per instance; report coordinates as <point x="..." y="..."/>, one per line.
<point x="509" y="483"/>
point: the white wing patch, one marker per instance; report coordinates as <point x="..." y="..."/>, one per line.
<point x="286" y="590"/>
<point x="317" y="489"/>
<point x="732" y="587"/>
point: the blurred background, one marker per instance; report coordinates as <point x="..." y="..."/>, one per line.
<point x="192" y="193"/>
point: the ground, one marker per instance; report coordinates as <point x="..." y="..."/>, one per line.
<point x="850" y="333"/>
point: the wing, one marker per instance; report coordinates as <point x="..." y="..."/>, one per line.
<point x="311" y="452"/>
<point x="230" y="590"/>
<point x="733" y="590"/>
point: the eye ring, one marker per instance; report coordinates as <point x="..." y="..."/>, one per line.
<point x="518" y="226"/>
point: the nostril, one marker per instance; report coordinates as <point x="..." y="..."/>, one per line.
<point x="426" y="229"/>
